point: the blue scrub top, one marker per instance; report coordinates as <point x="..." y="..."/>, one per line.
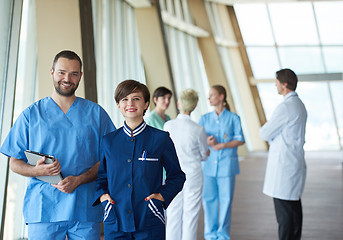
<point x="131" y="169"/>
<point x="74" y="139"/>
<point x="225" y="128"/>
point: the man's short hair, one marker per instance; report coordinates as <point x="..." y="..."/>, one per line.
<point x="69" y="55"/>
<point x="127" y="87"/>
<point x="188" y="100"/>
<point x="287" y="76"/>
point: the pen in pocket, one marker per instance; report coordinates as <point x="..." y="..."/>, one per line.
<point x="144" y="157"/>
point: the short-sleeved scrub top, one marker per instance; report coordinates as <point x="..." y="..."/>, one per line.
<point x="155" y="120"/>
<point x="74" y="139"/>
<point x="225" y="128"/>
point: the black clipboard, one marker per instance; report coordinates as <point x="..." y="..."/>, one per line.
<point x="33" y="157"/>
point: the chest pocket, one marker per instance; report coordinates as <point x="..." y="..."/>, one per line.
<point x="147" y="157"/>
<point x="228" y="132"/>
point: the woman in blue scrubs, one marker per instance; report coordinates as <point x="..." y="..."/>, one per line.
<point x="219" y="171"/>
<point x="129" y="183"/>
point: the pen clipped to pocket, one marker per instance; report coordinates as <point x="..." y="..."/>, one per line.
<point x="145" y="158"/>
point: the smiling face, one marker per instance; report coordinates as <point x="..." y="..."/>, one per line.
<point x="66" y="76"/>
<point x="132" y="107"/>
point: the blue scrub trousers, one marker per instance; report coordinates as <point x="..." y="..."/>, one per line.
<point x="59" y="231"/>
<point x="217" y="194"/>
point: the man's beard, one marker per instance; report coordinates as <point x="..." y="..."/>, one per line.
<point x="65" y="93"/>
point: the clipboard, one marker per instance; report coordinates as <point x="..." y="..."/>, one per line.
<point x="33" y="157"/>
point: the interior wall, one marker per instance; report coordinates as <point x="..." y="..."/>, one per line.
<point x="154" y="53"/>
<point x="58" y="28"/>
<point x="242" y="72"/>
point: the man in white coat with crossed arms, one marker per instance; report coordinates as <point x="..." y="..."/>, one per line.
<point x="286" y="167"/>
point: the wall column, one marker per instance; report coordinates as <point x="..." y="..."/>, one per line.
<point x="154" y="52"/>
<point x="216" y="74"/>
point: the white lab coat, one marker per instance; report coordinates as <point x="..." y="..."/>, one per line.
<point x="191" y="147"/>
<point x="285" y="132"/>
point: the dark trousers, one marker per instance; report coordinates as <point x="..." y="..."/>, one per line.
<point x="289" y="217"/>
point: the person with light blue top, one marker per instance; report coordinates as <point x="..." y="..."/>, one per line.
<point x="224" y="136"/>
<point x="69" y="128"/>
<point x="157" y="117"/>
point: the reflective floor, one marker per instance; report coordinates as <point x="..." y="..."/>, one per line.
<point x="253" y="215"/>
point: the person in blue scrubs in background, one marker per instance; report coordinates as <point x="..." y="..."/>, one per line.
<point x="224" y="136"/>
<point x="129" y="183"/>
<point x="69" y="128"/>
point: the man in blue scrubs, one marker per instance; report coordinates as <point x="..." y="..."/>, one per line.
<point x="69" y="128"/>
<point x="286" y="167"/>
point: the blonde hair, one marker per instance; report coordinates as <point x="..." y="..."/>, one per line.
<point x="188" y="100"/>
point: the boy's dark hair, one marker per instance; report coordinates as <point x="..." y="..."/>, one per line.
<point x="69" y="55"/>
<point x="160" y="92"/>
<point x="127" y="87"/>
<point x="287" y="76"/>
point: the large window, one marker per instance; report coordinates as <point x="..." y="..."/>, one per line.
<point x="117" y="51"/>
<point x="15" y="227"/>
<point x="186" y="59"/>
<point x="220" y="33"/>
<point x="5" y="29"/>
<point x="308" y="38"/>
<point x="321" y="131"/>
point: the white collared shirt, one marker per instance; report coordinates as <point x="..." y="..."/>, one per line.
<point x="190" y="141"/>
<point x="285" y="132"/>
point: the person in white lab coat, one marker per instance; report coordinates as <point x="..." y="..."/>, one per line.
<point x="286" y="167"/>
<point x="190" y="141"/>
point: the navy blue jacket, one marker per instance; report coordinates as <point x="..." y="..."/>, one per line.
<point x="130" y="170"/>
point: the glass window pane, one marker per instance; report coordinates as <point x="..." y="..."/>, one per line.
<point x="320" y="129"/>
<point x="333" y="57"/>
<point x="302" y="60"/>
<point x="5" y="19"/>
<point x="293" y="23"/>
<point x="269" y="97"/>
<point x="254" y="24"/>
<point x="321" y="133"/>
<point x="187" y="65"/>
<point x="330" y="21"/>
<point x="24" y="96"/>
<point x="264" y="61"/>
<point x="337" y="96"/>
<point x="118" y="53"/>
